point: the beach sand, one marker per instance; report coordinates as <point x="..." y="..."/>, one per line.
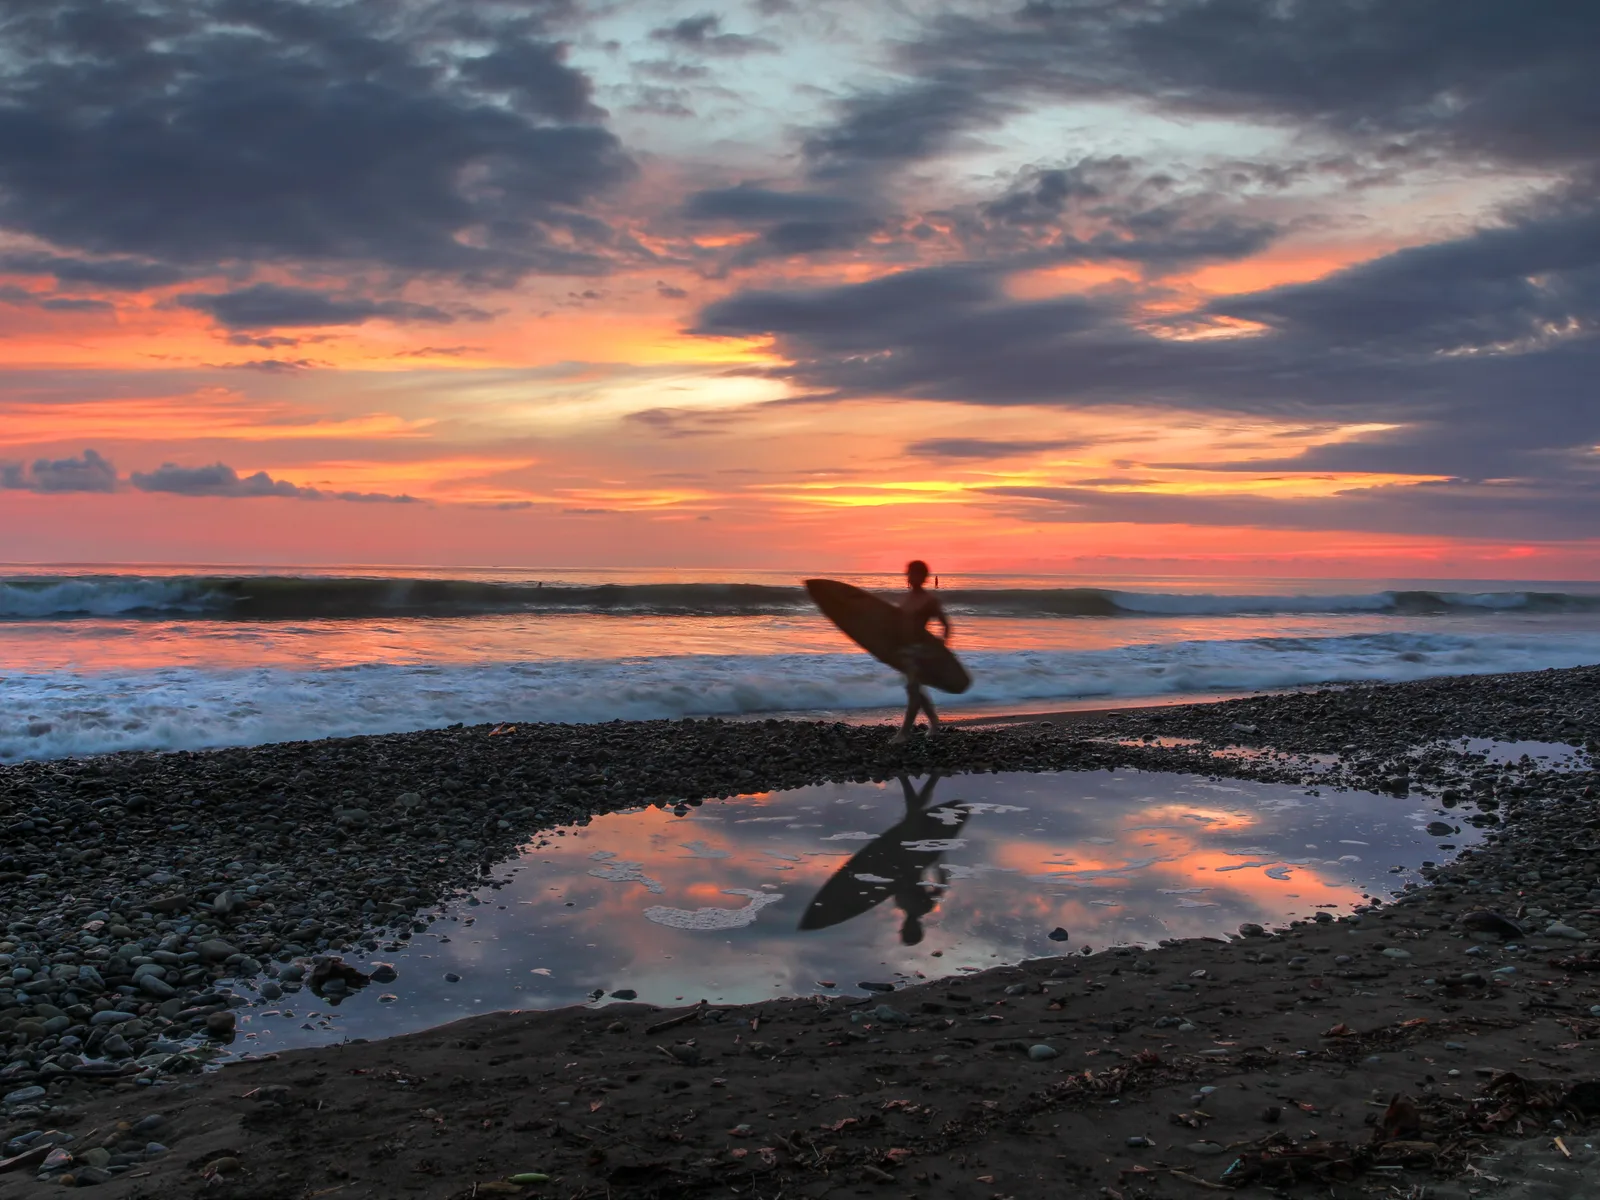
<point x="1369" y="1055"/>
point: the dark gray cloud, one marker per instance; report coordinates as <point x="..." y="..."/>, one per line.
<point x="536" y="78"/>
<point x="1515" y="510"/>
<point x="1481" y="78"/>
<point x="221" y="480"/>
<point x="273" y="306"/>
<point x="409" y="138"/>
<point x="786" y="222"/>
<point x="1114" y="209"/>
<point x="117" y="274"/>
<point x="271" y="341"/>
<point x="20" y="297"/>
<point x="879" y="131"/>
<point x="704" y="34"/>
<point x="683" y="422"/>
<point x="89" y="472"/>
<point x="983" y="448"/>
<point x="277" y="366"/>
<point x="1484" y="350"/>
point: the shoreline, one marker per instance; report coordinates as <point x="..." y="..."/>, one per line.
<point x="1134" y="1033"/>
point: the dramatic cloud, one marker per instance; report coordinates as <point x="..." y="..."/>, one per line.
<point x="23" y="298"/>
<point x="1453" y="509"/>
<point x="87" y="473"/>
<point x="1516" y="82"/>
<point x="411" y="138"/>
<point x="271" y="306"/>
<point x="1483" y="351"/>
<point x="219" y="479"/>
<point x="117" y="274"/>
<point x="787" y="223"/>
<point x="704" y="34"/>
<point x="982" y="448"/>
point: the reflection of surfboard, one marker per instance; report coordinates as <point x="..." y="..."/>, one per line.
<point x="879" y="628"/>
<point x="845" y="896"/>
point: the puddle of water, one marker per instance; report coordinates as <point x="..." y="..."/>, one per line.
<point x="1555" y="755"/>
<point x="821" y="888"/>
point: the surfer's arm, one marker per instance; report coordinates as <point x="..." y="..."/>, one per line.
<point x="944" y="621"/>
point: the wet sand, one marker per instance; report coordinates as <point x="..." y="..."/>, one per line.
<point x="1382" y="1053"/>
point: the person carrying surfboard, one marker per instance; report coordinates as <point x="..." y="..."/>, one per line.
<point x="919" y="606"/>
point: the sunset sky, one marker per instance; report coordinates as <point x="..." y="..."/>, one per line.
<point x="1281" y="287"/>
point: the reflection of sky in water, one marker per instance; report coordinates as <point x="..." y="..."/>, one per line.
<point x="982" y="866"/>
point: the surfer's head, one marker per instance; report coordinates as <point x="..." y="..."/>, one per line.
<point x="917" y="572"/>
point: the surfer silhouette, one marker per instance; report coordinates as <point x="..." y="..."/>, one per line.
<point x="919" y="606"/>
<point x="893" y="866"/>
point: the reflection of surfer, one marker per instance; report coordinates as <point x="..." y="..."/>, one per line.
<point x="920" y="606"/>
<point x="892" y="869"/>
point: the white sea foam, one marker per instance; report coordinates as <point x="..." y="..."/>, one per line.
<point x="57" y="713"/>
<point x="714" y="918"/>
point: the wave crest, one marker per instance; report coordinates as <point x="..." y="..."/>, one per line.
<point x="290" y="598"/>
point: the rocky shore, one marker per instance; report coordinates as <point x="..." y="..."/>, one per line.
<point x="142" y="895"/>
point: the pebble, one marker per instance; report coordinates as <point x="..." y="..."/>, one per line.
<point x="451" y="977"/>
<point x="1058" y="934"/>
<point x="220" y="1024"/>
<point x="1207" y="1148"/>
<point x="1558" y="929"/>
<point x="1139" y="1142"/>
<point x="1395" y="952"/>
<point x="1043" y="1053"/>
<point x="24" y="1095"/>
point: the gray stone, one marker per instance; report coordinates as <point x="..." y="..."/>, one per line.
<point x="1558" y="929"/>
<point x="157" y="987"/>
<point x="25" y="1095"/>
<point x="111" y="1016"/>
<point x="215" y="950"/>
<point x="1043" y="1053"/>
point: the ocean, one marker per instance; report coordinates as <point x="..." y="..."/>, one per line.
<point x="95" y="659"/>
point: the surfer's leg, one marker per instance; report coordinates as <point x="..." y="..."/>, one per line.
<point x="927" y="707"/>
<point x="913" y="705"/>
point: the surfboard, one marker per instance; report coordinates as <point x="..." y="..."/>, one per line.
<point x="879" y="628"/>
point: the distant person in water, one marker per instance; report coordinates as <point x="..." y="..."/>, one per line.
<point x="920" y="606"/>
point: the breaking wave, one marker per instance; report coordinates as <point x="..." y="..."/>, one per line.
<point x="275" y="598"/>
<point x="52" y="715"/>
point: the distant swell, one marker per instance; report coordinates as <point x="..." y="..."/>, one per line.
<point x="286" y="598"/>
